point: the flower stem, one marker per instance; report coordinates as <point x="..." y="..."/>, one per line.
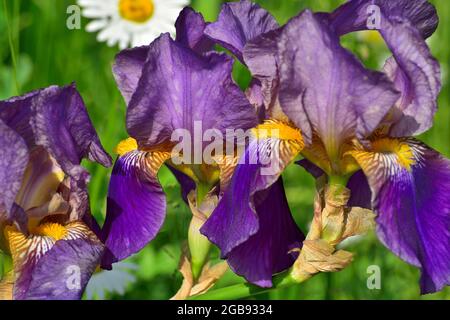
<point x="5" y="264"/>
<point x="338" y="180"/>
<point x="244" y="290"/>
<point x="199" y="245"/>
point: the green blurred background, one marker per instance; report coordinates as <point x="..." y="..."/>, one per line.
<point x="47" y="53"/>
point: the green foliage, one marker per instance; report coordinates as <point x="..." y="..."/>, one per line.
<point x="48" y="53"/>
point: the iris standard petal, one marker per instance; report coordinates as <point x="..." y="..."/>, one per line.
<point x="16" y="112"/>
<point x="354" y="15"/>
<point x="410" y="184"/>
<point x="55" y="118"/>
<point x="136" y="204"/>
<point x="238" y="23"/>
<point x="331" y="93"/>
<point x="13" y="162"/>
<point x="269" y="250"/>
<point x="179" y="88"/>
<point x="416" y="74"/>
<point x="62" y="125"/>
<point x="190" y="27"/>
<point x="261" y="56"/>
<point x="127" y="70"/>
<point x="129" y="63"/>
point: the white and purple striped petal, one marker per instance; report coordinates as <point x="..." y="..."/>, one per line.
<point x="413" y="207"/>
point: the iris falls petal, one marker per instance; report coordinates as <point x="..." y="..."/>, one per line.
<point x="271" y="249"/>
<point x="136" y="204"/>
<point x="252" y="224"/>
<point x="410" y="184"/>
<point x="55" y="262"/>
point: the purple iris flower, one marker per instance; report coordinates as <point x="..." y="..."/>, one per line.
<point x="349" y="118"/>
<point x="45" y="222"/>
<point x="168" y="86"/>
<point x="253" y="225"/>
<point x="409" y="182"/>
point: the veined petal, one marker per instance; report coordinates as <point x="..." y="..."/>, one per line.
<point x="416" y="74"/>
<point x="127" y="70"/>
<point x="64" y="272"/>
<point x="190" y="27"/>
<point x="410" y="184"/>
<point x="268" y="251"/>
<point x="16" y="113"/>
<point x="129" y="63"/>
<point x="404" y="25"/>
<point x="237" y="224"/>
<point x="55" y="263"/>
<point x="136" y="204"/>
<point x="238" y="23"/>
<point x="55" y="118"/>
<point x="261" y="55"/>
<point x="353" y="15"/>
<point x="329" y="94"/>
<point x="179" y="88"/>
<point x="61" y="124"/>
<point x="13" y="162"/>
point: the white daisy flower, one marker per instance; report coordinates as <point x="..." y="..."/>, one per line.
<point x="131" y="22"/>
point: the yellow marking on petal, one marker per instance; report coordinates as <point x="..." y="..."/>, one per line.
<point x="126" y="146"/>
<point x="16" y="241"/>
<point x="348" y="164"/>
<point x="398" y="147"/>
<point x="136" y="10"/>
<point x="53" y="230"/>
<point x="277" y="129"/>
<point x="389" y="151"/>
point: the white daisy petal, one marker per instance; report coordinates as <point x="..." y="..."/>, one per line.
<point x="181" y="3"/>
<point x="122" y="29"/>
<point x="96" y="25"/>
<point x="95" y="13"/>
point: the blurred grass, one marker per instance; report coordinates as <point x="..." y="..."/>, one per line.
<point x="48" y="53"/>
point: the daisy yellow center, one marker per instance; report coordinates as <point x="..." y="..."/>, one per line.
<point x="278" y="130"/>
<point x="53" y="230"/>
<point x="400" y="148"/>
<point x="136" y="10"/>
<point x="126" y="146"/>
